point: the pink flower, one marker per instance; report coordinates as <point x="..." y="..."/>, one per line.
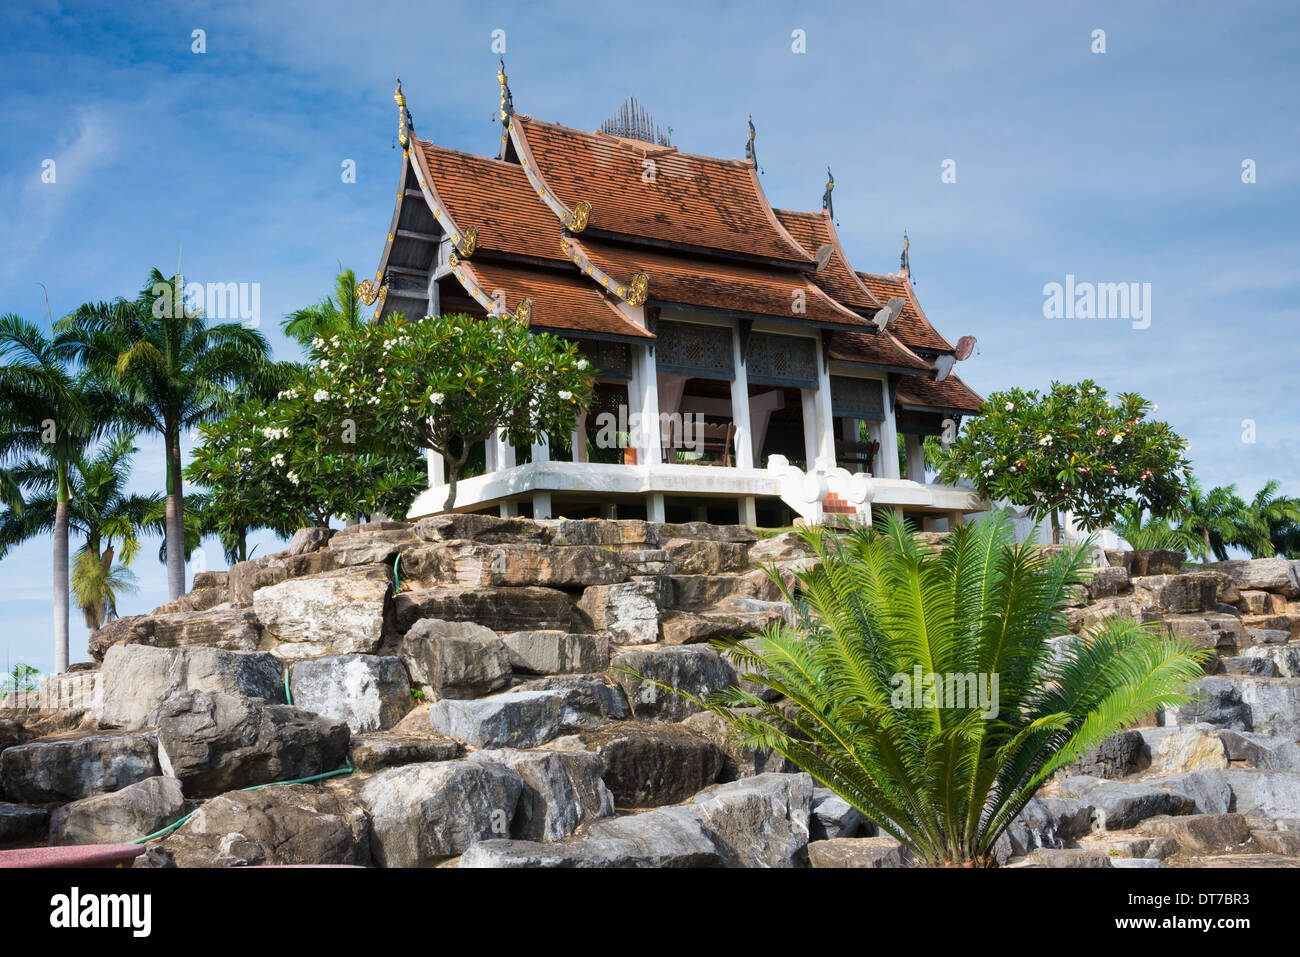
<point x="1101" y="431"/>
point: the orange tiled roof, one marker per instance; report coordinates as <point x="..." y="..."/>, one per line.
<point x="877" y="349"/>
<point x="691" y="200"/>
<point x="561" y="301"/>
<point x="951" y="393"/>
<point x="711" y="284"/>
<point x="496" y="197"/>
<point x="814" y="230"/>
<point x="912" y="327"/>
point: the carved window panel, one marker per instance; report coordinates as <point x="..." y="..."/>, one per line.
<point x="611" y="360"/>
<point x="703" y="352"/>
<point x="781" y="360"/>
<point x="853" y="398"/>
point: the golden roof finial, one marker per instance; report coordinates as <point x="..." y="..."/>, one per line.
<point x="507" y="102"/>
<point x="403" y="114"/>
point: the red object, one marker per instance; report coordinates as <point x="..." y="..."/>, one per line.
<point x="77" y="855"/>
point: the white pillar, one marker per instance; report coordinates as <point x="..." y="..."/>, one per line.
<point x="437" y="468"/>
<point x="915" y="457"/>
<point x="748" y="513"/>
<point x="743" y="439"/>
<point x="541" y="504"/>
<point x="579" y="438"/>
<point x="541" y="452"/>
<point x="644" y="395"/>
<point x="811" y="444"/>
<point x="654" y="507"/>
<point x="825" y="418"/>
<point x="888" y="438"/>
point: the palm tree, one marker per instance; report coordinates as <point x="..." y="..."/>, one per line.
<point x="98" y="509"/>
<point x="48" y="412"/>
<point x="1148" y="531"/>
<point x="1218" y="517"/>
<point x="172" y="371"/>
<point x="943" y="773"/>
<point x="1273" y="520"/>
<point x="332" y="314"/>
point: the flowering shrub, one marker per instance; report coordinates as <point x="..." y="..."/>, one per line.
<point x="447" y="382"/>
<point x="1072" y="449"/>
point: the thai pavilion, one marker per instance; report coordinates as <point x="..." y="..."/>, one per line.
<point x="772" y="378"/>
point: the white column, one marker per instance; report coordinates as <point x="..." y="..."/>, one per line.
<point x="888" y="438"/>
<point x="825" y="418"/>
<point x="748" y="513"/>
<point x="645" y="400"/>
<point x="744" y="445"/>
<point x="541" y="452"/>
<point x="915" y="457"/>
<point x="811" y="445"/>
<point x="437" y="468"/>
<point x="541" y="505"/>
<point x="579" y="438"/>
<point x="654" y="507"/>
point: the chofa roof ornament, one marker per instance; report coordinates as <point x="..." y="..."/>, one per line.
<point x="404" y="121"/>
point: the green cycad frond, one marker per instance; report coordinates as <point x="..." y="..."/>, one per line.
<point x="879" y="605"/>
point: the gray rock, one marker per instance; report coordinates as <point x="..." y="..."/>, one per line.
<point x="483" y="528"/>
<point x="1272" y="705"/>
<point x="372" y="752"/>
<point x="1044" y="822"/>
<point x="455" y="659"/>
<point x="1187" y="747"/>
<point x="627" y="613"/>
<point x="1117" y="756"/>
<point x="11" y="733"/>
<point x="1066" y="858"/>
<point x="20" y="824"/>
<point x="1256" y="666"/>
<point x="562" y="790"/>
<point x="1284" y="657"/>
<point x="525" y="563"/>
<point x="1122" y="804"/>
<point x="67" y="769"/>
<point x="307" y="540"/>
<point x="760" y="821"/>
<point x="556" y="652"/>
<point x="649" y="765"/>
<point x="1263" y="574"/>
<point x="695" y="669"/>
<point x="833" y="817"/>
<point x="1136" y="863"/>
<point x="738" y="760"/>
<point x="1207" y="789"/>
<point x="516" y="719"/>
<point x="866" y="852"/>
<point x="368" y="692"/>
<point x="421" y="814"/>
<point x="788" y="546"/>
<point x="1178" y="594"/>
<point x="297" y="824"/>
<point x="1216" y="701"/>
<point x="1105" y="582"/>
<point x="1210" y="629"/>
<point x="215" y="742"/>
<point x="1202" y="833"/>
<point x="1261" y="751"/>
<point x="336" y="612"/>
<point x="137" y="679"/>
<point x="1274" y="794"/>
<point x="120" y="817"/>
<point x="502" y="609"/>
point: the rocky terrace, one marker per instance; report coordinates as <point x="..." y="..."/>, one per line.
<point x="470" y="670"/>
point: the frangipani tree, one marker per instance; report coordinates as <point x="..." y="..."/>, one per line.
<point x="447" y="382"/>
<point x="1074" y="450"/>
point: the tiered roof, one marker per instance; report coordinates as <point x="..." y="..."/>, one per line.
<point x="585" y="234"/>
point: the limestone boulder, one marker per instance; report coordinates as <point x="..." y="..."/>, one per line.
<point x="556" y="652"/>
<point x="1265" y="793"/>
<point x="1216" y="701"/>
<point x="738" y="760"/>
<point x="68" y="769"/>
<point x="214" y="742"/>
<point x="297" y="824"/>
<point x="337" y="612"/>
<point x="864" y="852"/>
<point x="1117" y="756"/>
<point x="1154" y="561"/>
<point x="121" y="816"/>
<point x="522" y="718"/>
<point x="786" y="547"/>
<point x="1262" y="751"/>
<point x="649" y="765"/>
<point x="245" y="578"/>
<point x="562" y="790"/>
<point x="1208" y="630"/>
<point x="573" y="566"/>
<point x="1207" y="789"/>
<point x="1178" y="594"/>
<point x="696" y="669"/>
<point x="455" y="659"/>
<point x="486" y="529"/>
<point x="1201" y="833"/>
<point x="762" y="821"/>
<point x="831" y="816"/>
<point x="1272" y="705"/>
<point x="501" y="609"/>
<point x="137" y="679"/>
<point x="1188" y="747"/>
<point x="422" y="814"/>
<point x="1263" y="574"/>
<point x="1284" y="657"/>
<point x="373" y="752"/>
<point x="369" y="692"/>
<point x="234" y="629"/>
<point x="624" y="534"/>
<point x="20" y="824"/>
<point x="627" y="613"/>
<point x="307" y="540"/>
<point x="700" y="557"/>
<point x="1044" y="823"/>
<point x="1122" y="804"/>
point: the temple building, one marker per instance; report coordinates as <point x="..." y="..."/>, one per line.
<point x="746" y="371"/>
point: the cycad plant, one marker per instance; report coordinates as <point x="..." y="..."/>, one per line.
<point x="881" y="608"/>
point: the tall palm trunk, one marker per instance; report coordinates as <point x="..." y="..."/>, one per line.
<point x="62" y="602"/>
<point x="175" y="518"/>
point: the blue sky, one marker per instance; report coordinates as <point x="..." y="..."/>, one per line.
<point x="1117" y="167"/>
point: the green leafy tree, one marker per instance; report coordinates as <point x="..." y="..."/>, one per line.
<point x="1273" y="524"/>
<point x="1218" y="518"/>
<point x="449" y="382"/>
<point x="1071" y="450"/>
<point x="171" y="372"/>
<point x="294" y="461"/>
<point x="49" y="412"/>
<point x="941" y="772"/>
<point x="340" y="312"/>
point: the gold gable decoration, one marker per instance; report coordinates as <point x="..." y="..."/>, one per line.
<point x="576" y="221"/>
<point x="468" y="241"/>
<point x="638" y="289"/>
<point x="368" y="292"/>
<point x="524" y="313"/>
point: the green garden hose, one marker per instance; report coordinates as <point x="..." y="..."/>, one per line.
<point x="348" y="769"/>
<point x="397" y="576"/>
